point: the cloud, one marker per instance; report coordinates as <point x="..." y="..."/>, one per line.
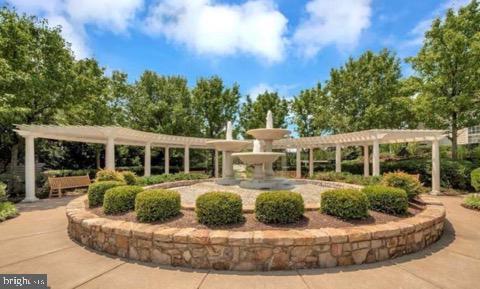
<point x="284" y="90"/>
<point x="255" y="27"/>
<point x="73" y="15"/>
<point x="329" y="22"/>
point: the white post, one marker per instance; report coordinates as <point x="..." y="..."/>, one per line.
<point x="299" y="164"/>
<point x="30" y="169"/>
<point x="338" y="158"/>
<point x="110" y="154"/>
<point x="216" y="164"/>
<point x="310" y="162"/>
<point x="435" y="167"/>
<point x="148" y="161"/>
<point x="167" y="160"/>
<point x="366" y="161"/>
<point x="186" y="160"/>
<point x="376" y="158"/>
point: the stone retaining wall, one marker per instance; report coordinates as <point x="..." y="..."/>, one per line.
<point x="255" y="250"/>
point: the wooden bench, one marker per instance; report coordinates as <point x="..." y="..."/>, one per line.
<point x="60" y="183"/>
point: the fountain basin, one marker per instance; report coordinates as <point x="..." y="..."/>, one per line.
<point x="258" y="158"/>
<point x="268" y="133"/>
<point x="229" y="145"/>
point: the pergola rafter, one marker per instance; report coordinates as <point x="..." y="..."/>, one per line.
<point x="113" y="135"/>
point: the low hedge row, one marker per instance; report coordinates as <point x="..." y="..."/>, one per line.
<point x="158" y="179"/>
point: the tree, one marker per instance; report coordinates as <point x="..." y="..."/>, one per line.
<point x="310" y="114"/>
<point x="161" y="104"/>
<point x="366" y="94"/>
<point x="253" y="113"/>
<point x="448" y="66"/>
<point x="35" y="74"/>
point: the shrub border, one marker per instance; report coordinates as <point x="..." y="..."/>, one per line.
<point x="255" y="250"/>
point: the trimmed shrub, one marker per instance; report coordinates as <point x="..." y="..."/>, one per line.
<point x="409" y="183"/>
<point x="3" y="192"/>
<point x="472" y="202"/>
<point x="280" y="207"/>
<point x="108" y="175"/>
<point x="387" y="199"/>
<point x="345" y="203"/>
<point x="164" y="178"/>
<point x="96" y="192"/>
<point x="129" y="177"/>
<point x="475" y="179"/>
<point x="157" y="205"/>
<point x="345" y="177"/>
<point x="219" y="208"/>
<point x="7" y="211"/>
<point x="120" y="199"/>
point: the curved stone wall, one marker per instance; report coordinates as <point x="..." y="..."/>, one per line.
<point x="255" y="250"/>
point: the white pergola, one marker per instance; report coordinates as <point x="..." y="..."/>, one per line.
<point x="111" y="136"/>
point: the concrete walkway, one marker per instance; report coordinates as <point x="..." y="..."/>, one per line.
<point x="37" y="242"/>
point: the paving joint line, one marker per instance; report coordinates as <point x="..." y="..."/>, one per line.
<point x="38" y="256"/>
<point x="32" y="235"/>
<point x="401" y="267"/>
<point x="203" y="279"/>
<point x="461" y="254"/>
<point x="99" y="275"/>
<point x="303" y="279"/>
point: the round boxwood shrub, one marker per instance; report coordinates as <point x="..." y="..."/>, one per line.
<point x="345" y="203"/>
<point x="120" y="199"/>
<point x="96" y="192"/>
<point x="475" y="179"/>
<point x="387" y="199"/>
<point x="280" y="207"/>
<point x="407" y="182"/>
<point x="219" y="208"/>
<point x="157" y="205"/>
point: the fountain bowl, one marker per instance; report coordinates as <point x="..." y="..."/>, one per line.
<point x="258" y="158"/>
<point x="268" y="133"/>
<point x="229" y="145"/>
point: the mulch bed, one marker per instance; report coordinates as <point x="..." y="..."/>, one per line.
<point x="311" y="220"/>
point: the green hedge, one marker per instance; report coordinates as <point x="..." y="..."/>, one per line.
<point x="472" y="201"/>
<point x="96" y="192"/>
<point x="129" y="177"/>
<point x="7" y="211"/>
<point x="345" y="203"/>
<point x="280" y="207"/>
<point x="109" y="175"/>
<point x="409" y="183"/>
<point x="157" y="205"/>
<point x="3" y="192"/>
<point x="219" y="208"/>
<point x="346" y="177"/>
<point x="475" y="179"/>
<point x="120" y="199"/>
<point x="387" y="200"/>
<point x="158" y="179"/>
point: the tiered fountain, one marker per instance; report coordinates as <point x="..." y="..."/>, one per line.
<point x="228" y="146"/>
<point x="262" y="158"/>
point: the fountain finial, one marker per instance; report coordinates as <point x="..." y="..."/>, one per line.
<point x="229" y="131"/>
<point x="269" y="119"/>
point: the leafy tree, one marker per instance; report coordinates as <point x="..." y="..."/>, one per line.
<point x="161" y="104"/>
<point x="35" y="74"/>
<point x="365" y="94"/>
<point x="253" y="113"/>
<point x="448" y="66"/>
<point x="310" y="114"/>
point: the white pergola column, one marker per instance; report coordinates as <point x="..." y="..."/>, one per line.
<point x="338" y="158"/>
<point x="167" y="160"/>
<point x="366" y="161"/>
<point x="435" y="167"/>
<point x="30" y="169"/>
<point x="376" y="158"/>
<point x="147" y="167"/>
<point x="310" y="162"/>
<point x="110" y="154"/>
<point x="216" y="164"/>
<point x="186" y="160"/>
<point x="298" y="167"/>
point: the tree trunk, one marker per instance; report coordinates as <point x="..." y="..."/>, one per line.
<point x="97" y="157"/>
<point x="454" y="135"/>
<point x="13" y="168"/>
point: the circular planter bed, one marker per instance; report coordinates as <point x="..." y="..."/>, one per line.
<point x="272" y="248"/>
